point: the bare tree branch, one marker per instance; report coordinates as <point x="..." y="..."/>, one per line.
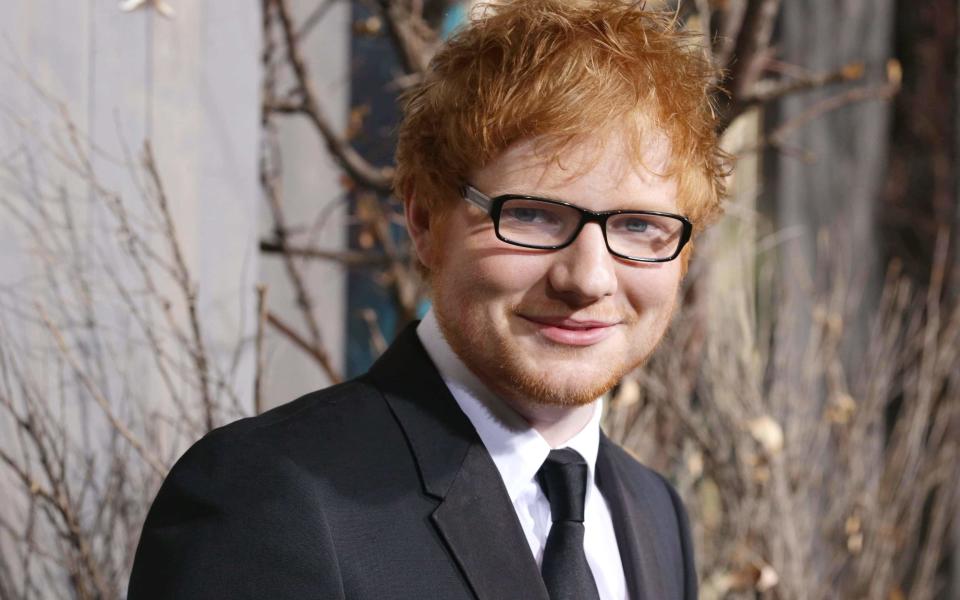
<point x="768" y="90"/>
<point x="348" y="258"/>
<point x="753" y="45"/>
<point x="414" y="39"/>
<point x="186" y="285"/>
<point x="751" y="53"/>
<point x="353" y="164"/>
<point x="729" y="23"/>
<point x="871" y="92"/>
<point x="270" y="182"/>
<point x="318" y="354"/>
<point x="98" y="397"/>
<point x="315" y="16"/>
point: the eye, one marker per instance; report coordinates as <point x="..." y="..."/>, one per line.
<point x="526" y="214"/>
<point x="638" y="225"/>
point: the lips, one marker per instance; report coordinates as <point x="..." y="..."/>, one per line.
<point x="572" y="332"/>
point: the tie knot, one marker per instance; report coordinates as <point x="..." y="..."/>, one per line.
<point x="563" y="478"/>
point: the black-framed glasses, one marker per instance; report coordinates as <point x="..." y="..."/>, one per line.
<point x="545" y="224"/>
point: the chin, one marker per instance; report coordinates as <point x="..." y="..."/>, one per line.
<point x="562" y="382"/>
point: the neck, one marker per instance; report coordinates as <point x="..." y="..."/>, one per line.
<point x="555" y="424"/>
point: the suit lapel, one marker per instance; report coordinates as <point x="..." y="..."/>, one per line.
<point x="643" y="564"/>
<point x="482" y="532"/>
<point x="475" y="517"/>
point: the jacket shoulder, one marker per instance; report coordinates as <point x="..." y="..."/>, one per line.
<point x="309" y="433"/>
<point x="356" y="393"/>
<point x="250" y="494"/>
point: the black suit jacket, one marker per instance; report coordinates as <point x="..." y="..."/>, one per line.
<point x="378" y="488"/>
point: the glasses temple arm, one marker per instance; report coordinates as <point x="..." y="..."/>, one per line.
<point x="477" y="198"/>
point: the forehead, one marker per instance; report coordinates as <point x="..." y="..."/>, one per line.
<point x="600" y="172"/>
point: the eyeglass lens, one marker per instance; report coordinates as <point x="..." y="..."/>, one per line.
<point x="543" y="224"/>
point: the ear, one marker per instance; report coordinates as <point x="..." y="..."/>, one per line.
<point x="684" y="259"/>
<point x="424" y="237"/>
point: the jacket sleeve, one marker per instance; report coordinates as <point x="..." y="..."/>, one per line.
<point x="233" y="520"/>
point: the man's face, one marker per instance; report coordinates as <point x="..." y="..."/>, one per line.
<point x="556" y="327"/>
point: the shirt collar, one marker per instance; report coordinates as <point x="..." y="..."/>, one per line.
<point x="517" y="449"/>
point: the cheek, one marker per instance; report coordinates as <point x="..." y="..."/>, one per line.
<point x="479" y="289"/>
<point x="503" y="273"/>
<point x="654" y="288"/>
<point x="483" y="267"/>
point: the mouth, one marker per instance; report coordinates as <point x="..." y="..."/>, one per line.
<point x="571" y="332"/>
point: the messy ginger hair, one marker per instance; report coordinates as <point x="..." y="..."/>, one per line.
<point x="558" y="72"/>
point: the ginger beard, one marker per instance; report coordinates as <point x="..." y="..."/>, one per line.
<point x="491" y="298"/>
<point x="558" y="376"/>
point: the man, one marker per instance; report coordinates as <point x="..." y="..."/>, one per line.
<point x="554" y="164"/>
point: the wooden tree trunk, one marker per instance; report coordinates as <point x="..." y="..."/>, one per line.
<point x="822" y="185"/>
<point x="824" y="181"/>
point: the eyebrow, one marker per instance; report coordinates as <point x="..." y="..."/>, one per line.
<point x="657" y="206"/>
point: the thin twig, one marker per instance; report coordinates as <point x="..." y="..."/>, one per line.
<point x="377" y="340"/>
<point x="319" y="355"/>
<point x="186" y="285"/>
<point x="348" y="258"/>
<point x="315" y="16"/>
<point x="729" y="24"/>
<point x="769" y="90"/>
<point x="403" y="281"/>
<point x="752" y="51"/>
<point x="98" y="397"/>
<point x="753" y="44"/>
<point x="860" y="94"/>
<point x="270" y="182"/>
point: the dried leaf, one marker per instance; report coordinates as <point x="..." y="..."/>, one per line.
<point x="852" y="524"/>
<point x="894" y="72"/>
<point x="132" y="5"/>
<point x="365" y="240"/>
<point x="162" y="7"/>
<point x="761" y="473"/>
<point x="744" y="578"/>
<point x="358" y="115"/>
<point x="767" y="432"/>
<point x="853" y="70"/>
<point x="841" y="409"/>
<point x="695" y="463"/>
<point x="372" y="25"/>
<point x="768" y="579"/>
<point x="628" y="393"/>
<point x="855" y="543"/>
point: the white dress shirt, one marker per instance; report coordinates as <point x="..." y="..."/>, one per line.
<point x="518" y="451"/>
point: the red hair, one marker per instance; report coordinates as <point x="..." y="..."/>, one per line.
<point x="559" y="71"/>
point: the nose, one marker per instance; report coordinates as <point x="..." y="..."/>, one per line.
<point x="584" y="271"/>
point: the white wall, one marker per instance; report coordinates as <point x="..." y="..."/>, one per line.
<point x="190" y="85"/>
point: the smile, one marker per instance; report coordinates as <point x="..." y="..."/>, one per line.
<point x="571" y="332"/>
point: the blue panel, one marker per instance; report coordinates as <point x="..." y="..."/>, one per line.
<point x="374" y="66"/>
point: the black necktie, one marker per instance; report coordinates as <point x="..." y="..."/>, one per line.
<point x="566" y="573"/>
